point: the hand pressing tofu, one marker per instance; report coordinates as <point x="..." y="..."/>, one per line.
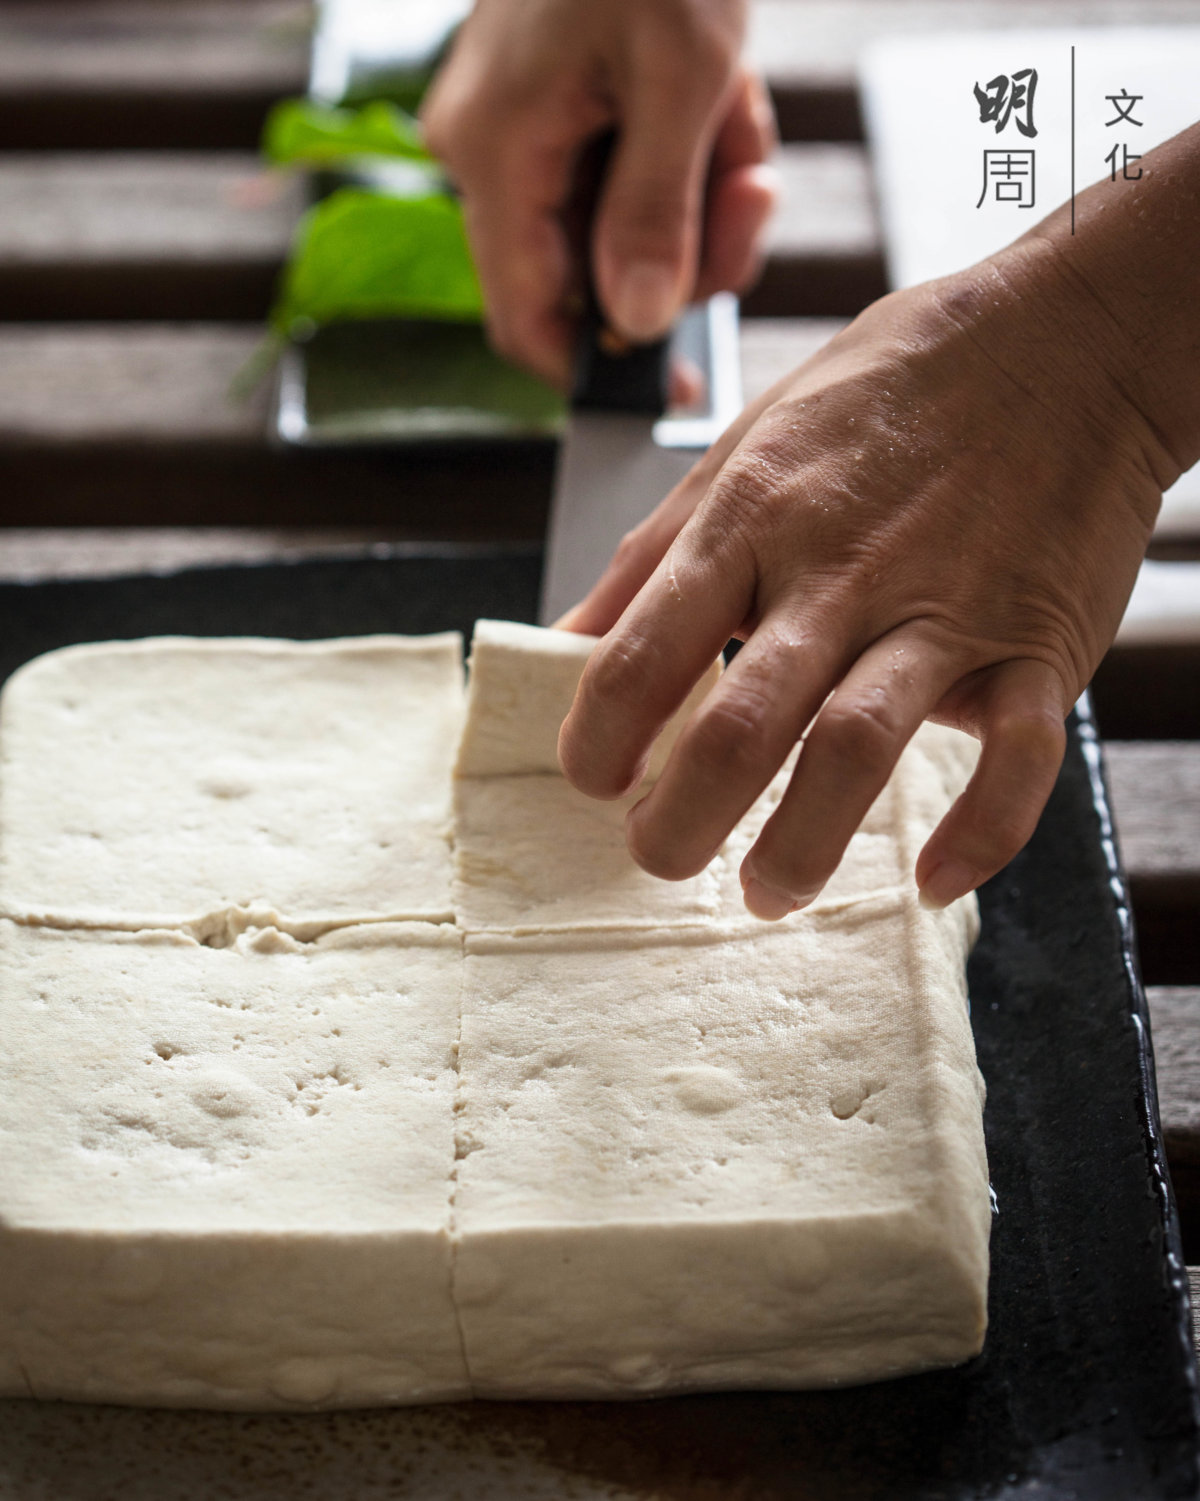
<point x="939" y="516"/>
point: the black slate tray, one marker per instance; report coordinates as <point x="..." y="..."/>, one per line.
<point x="1087" y="1386"/>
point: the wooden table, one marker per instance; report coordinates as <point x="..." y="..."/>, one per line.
<point x="139" y="239"/>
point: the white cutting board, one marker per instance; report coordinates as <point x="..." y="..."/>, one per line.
<point x="927" y="143"/>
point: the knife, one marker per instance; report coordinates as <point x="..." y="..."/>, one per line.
<point x="622" y="451"/>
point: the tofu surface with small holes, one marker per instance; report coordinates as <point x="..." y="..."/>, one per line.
<point x="347" y="1061"/>
<point x="225" y="1172"/>
<point x="697" y="1150"/>
<point x="721" y="1156"/>
<point x="169" y="780"/>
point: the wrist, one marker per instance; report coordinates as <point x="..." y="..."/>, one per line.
<point x="1056" y="353"/>
<point x="1128" y="270"/>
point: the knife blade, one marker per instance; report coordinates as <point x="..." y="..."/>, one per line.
<point x="620" y="455"/>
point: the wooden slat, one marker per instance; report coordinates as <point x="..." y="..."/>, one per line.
<point x="133" y="424"/>
<point x="1156" y="801"/>
<point x="1149" y="692"/>
<point x="825" y="248"/>
<point x="141" y="74"/>
<point x="38" y="554"/>
<point x="1175" y="1024"/>
<point x="113" y="75"/>
<point x="771" y="347"/>
<point x="126" y="383"/>
<point x="1175" y="1030"/>
<point x="1156" y="794"/>
<point x="187" y="235"/>
<point x="140" y="235"/>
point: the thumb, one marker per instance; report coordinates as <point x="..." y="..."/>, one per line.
<point x="647" y="232"/>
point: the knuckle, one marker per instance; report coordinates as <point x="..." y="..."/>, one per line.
<point x="649" y="216"/>
<point x="743" y="498"/>
<point x="702" y="50"/>
<point x="726" y="739"/>
<point x="620" y="670"/>
<point x="1037" y="737"/>
<point x="862" y="733"/>
<point x="629" y="548"/>
<point x="458" y="123"/>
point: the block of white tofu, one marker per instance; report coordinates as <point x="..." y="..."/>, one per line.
<point x="710" y="1152"/>
<point x="225" y="1172"/>
<point x="705" y="1160"/>
<point x="534" y="855"/>
<point x="222" y="782"/>
<point x="598" y="1135"/>
<point x="531" y="853"/>
<point x="522" y="683"/>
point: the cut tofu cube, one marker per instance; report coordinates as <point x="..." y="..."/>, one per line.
<point x="531" y="853"/>
<point x="225" y="1174"/>
<point x="156" y="783"/>
<point x="522" y="684"/>
<point x="703" y="1162"/>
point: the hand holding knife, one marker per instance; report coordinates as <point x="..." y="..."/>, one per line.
<point x="620" y="454"/>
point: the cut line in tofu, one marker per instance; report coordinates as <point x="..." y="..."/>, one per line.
<point x="576" y="1133"/>
<point x="531" y="854"/>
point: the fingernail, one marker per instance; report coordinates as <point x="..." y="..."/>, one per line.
<point x="768" y="902"/>
<point x="644" y="301"/>
<point x="946" y="883"/>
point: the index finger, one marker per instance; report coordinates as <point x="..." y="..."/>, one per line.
<point x="646" y="666"/>
<point x="642" y="548"/>
<point x="521" y="254"/>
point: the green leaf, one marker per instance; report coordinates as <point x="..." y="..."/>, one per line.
<point x="364" y="254"/>
<point x="299" y="132"/>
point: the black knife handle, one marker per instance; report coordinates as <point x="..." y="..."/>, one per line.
<point x="610" y="374"/>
